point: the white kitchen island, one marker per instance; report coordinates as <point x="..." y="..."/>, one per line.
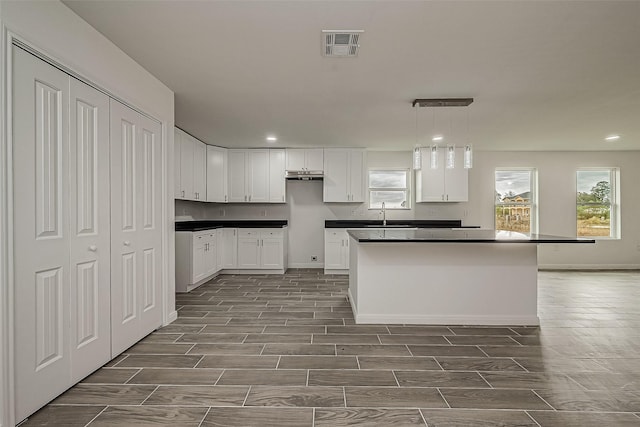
<point x="446" y="276"/>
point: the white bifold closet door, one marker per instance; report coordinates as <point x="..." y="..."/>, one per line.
<point x="61" y="231"/>
<point x="136" y="157"/>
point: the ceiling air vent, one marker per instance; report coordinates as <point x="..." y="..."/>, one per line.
<point x="341" y="43"/>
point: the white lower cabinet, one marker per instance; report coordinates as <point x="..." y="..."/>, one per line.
<point x="196" y="258"/>
<point x="336" y="250"/>
<point x="261" y="249"/>
<point x="202" y="254"/>
<point x="228" y="248"/>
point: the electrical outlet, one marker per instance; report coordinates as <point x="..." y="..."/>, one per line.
<point x="314" y="257"/>
<point x="263" y="212"/>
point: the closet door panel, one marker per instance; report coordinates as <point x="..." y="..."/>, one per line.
<point x="90" y="291"/>
<point x="41" y="230"/>
<point x="135" y="234"/>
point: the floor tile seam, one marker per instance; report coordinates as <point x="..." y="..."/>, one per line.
<point x="443" y="398"/>
<point x="147" y="398"/>
<point x="244" y="402"/>
<point x="517" y="363"/>
<point x="94" y="418"/>
<point x="484" y="379"/>
<point x="128" y="379"/>
<point x="204" y="417"/>
<point x="120" y="361"/>
<point x="541" y="398"/>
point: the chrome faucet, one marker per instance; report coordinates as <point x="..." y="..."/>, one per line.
<point x="384" y="216"/>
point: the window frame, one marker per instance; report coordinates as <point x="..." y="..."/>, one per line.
<point x="533" y="201"/>
<point x="614" y="202"/>
<point x="406" y="189"/>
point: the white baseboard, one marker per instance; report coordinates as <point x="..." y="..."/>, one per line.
<point x="418" y="319"/>
<point x="336" y="271"/>
<point x="306" y="265"/>
<point x="172" y="317"/>
<point x="353" y="306"/>
<point x="589" y="267"/>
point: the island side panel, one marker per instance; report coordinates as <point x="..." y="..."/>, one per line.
<point x="445" y="283"/>
<point x="353" y="276"/>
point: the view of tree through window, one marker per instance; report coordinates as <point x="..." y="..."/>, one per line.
<point x="514" y="208"/>
<point x="594" y="203"/>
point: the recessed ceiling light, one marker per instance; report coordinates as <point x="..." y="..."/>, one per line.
<point x="612" y="138"/>
<point x="437" y="138"/>
<point x="272" y="138"/>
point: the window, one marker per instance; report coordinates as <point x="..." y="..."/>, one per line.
<point x="389" y="186"/>
<point x="515" y="204"/>
<point x="596" y="203"/>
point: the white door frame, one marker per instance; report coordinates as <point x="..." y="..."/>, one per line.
<point x="7" y="325"/>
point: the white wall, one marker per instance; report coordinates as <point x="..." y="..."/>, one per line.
<point x="556" y="188"/>
<point x="53" y="29"/>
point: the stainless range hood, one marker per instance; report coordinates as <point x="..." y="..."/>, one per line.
<point x="305" y="175"/>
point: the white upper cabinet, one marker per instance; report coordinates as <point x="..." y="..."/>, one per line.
<point x="237" y="182"/>
<point x="311" y="159"/>
<point x="442" y="184"/>
<point x="343" y="175"/>
<point x="199" y="170"/>
<point x="277" y="184"/>
<point x="191" y="174"/>
<point x="177" y="165"/>
<point x="216" y="174"/>
<point x="256" y="176"/>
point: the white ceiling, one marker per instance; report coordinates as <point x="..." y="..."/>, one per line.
<point x="545" y="75"/>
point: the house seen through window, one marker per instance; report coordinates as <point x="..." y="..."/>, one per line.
<point x="596" y="203"/>
<point x="515" y="207"/>
<point x="390" y="187"/>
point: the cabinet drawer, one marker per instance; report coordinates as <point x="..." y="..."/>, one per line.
<point x="272" y="233"/>
<point x="248" y="233"/>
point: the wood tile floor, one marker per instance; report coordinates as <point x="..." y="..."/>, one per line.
<point x="284" y="351"/>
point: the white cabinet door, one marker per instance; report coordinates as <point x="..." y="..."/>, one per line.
<point x="456" y="180"/>
<point x="216" y="174"/>
<point x="258" y="176"/>
<point x="199" y="258"/>
<point x="314" y="159"/>
<point x="199" y="170"/>
<point x="272" y="249"/>
<point x="211" y="254"/>
<point x="441" y="184"/>
<point x="356" y="176"/>
<point x="228" y="248"/>
<point x="136" y="231"/>
<point x="89" y="276"/>
<point x="177" y="165"/>
<point x="41" y="224"/>
<point x="248" y="249"/>
<point x="295" y="159"/>
<point x="277" y="183"/>
<point x="186" y="166"/>
<point x="237" y="184"/>
<point x="336" y="176"/>
<point x="334" y="249"/>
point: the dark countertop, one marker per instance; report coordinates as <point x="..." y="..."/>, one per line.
<point x="419" y="223"/>
<point x="458" y="236"/>
<point x="212" y="224"/>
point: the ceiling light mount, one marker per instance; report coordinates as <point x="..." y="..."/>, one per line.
<point x="442" y="102"/>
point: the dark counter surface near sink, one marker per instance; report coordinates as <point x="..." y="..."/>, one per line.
<point x="468" y="235"/>
<point x="212" y="224"/>
<point x="419" y="223"/>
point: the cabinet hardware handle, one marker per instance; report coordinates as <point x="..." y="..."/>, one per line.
<point x="127" y="243"/>
<point x="249" y="197"/>
<point x="225" y="197"/>
<point x="245" y="197"/>
<point x="93" y="248"/>
<point x="447" y="197"/>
